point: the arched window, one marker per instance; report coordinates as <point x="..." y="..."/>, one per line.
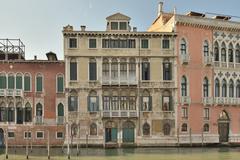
<point x="146" y="129"/>
<point x="73" y="101"/>
<point x="19" y="114"/>
<point x="184" y="127"/>
<point x="39" y="83"/>
<point x="206" y="49"/>
<point x="105" y="70"/>
<point x="184" y="86"/>
<point x="92" y="69"/>
<point x="3" y="112"/>
<point x="11" y="112"/>
<point x="223" y="115"/>
<point x="60" y="110"/>
<point x="114" y="69"/>
<point x="39" y="113"/>
<point x="224" y="88"/>
<point x="74" y="130"/>
<point x="166" y="101"/>
<point x="60" y="83"/>
<point x="93" y="129"/>
<point x="146" y="101"/>
<point x="183" y="47"/>
<point x="3" y="81"/>
<point x="28" y="112"/>
<point x="123" y="69"/>
<point x="166" y="129"/>
<point x="206" y="128"/>
<point x="237" y="54"/>
<point x="231" y="88"/>
<point x="132" y="70"/>
<point x="11" y="81"/>
<point x="73" y="70"/>
<point x="19" y="81"/>
<point x="216" y="52"/>
<point x="230" y="53"/>
<point x="217" y="88"/>
<point x="27" y="82"/>
<point x="223" y="53"/>
<point x="238" y="89"/>
<point x="205" y="87"/>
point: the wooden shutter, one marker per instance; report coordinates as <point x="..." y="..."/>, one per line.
<point x="93" y="71"/>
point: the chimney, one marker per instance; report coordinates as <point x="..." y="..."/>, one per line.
<point x="35" y="57"/>
<point x="83" y="28"/>
<point x="134" y="29"/>
<point x="160" y="8"/>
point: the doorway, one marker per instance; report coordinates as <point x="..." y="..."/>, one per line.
<point x="223" y="127"/>
<point x="1" y="137"/>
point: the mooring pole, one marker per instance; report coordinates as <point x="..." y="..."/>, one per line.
<point x="68" y="149"/>
<point x="6" y="149"/>
<point x="27" y="144"/>
<point x="190" y="136"/>
<point x="48" y="145"/>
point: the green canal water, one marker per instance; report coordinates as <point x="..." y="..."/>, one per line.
<point x="129" y="154"/>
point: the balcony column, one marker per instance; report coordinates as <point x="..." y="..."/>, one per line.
<point x="110" y="74"/>
<point x="119" y="78"/>
<point x="127" y="70"/>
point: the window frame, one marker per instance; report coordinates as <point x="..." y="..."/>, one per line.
<point x="69" y="43"/>
<point x="89" y="43"/>
<point x="36" y="136"/>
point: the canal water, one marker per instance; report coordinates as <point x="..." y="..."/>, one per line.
<point x="134" y="153"/>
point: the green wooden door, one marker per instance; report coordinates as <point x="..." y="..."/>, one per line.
<point x="114" y="135"/>
<point x="128" y="135"/>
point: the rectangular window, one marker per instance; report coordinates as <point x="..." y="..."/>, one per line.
<point x="132" y="72"/>
<point x="92" y="43"/>
<point x="146" y="103"/>
<point x="39" y="87"/>
<point x="115" y="105"/>
<point x="114" y="25"/>
<point x="73" y="71"/>
<point x="144" y="43"/>
<point x="145" y="71"/>
<point x="72" y="42"/>
<point x="28" y="114"/>
<point x="123" y="71"/>
<point x="11" y="135"/>
<point x="132" y="103"/>
<point x="114" y="71"/>
<point x="123" y="103"/>
<point x="118" y="43"/>
<point x="184" y="112"/>
<point x="11" y="82"/>
<point x="106" y="103"/>
<point x="167" y="68"/>
<point x="93" y="103"/>
<point x="40" y="135"/>
<point x="123" y="25"/>
<point x="27" y="135"/>
<point x="92" y="71"/>
<point x="59" y="135"/>
<point x="72" y="103"/>
<point x="3" y="82"/>
<point x="206" y="114"/>
<point x="60" y="84"/>
<point x="18" y="82"/>
<point x="165" y="44"/>
<point x="26" y="83"/>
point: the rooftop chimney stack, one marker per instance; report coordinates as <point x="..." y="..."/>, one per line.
<point x="35" y="57"/>
<point x="160" y="8"/>
<point x="83" y="28"/>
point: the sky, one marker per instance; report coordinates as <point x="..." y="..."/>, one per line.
<point x="39" y="23"/>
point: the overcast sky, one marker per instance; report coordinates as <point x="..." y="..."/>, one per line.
<point x="39" y="23"/>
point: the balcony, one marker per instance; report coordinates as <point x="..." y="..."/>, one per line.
<point x="185" y="58"/>
<point x="167" y="84"/>
<point x="230" y="64"/>
<point x="39" y="120"/>
<point x="208" y="60"/>
<point x="219" y="100"/>
<point x="11" y="93"/>
<point x="106" y="80"/>
<point x="216" y="64"/>
<point x="167" y="115"/>
<point x="224" y="64"/>
<point x="227" y="101"/>
<point x="60" y="120"/>
<point x="207" y="100"/>
<point x="185" y="100"/>
<point x="119" y="114"/>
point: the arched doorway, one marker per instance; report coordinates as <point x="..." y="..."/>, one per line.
<point x="223" y="126"/>
<point x="1" y="137"/>
<point x="128" y="132"/>
<point x="110" y="132"/>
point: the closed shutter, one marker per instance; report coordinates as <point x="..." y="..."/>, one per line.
<point x="150" y="103"/>
<point x="26" y="83"/>
<point x="2" y="82"/>
<point x="60" y="110"/>
<point x="18" y="82"/>
<point x="89" y="103"/>
<point x="11" y="82"/>
<point x="93" y="71"/>
<point x="60" y="84"/>
<point x="170" y="71"/>
<point x="97" y="103"/>
<point x="73" y="71"/>
<point x="39" y="84"/>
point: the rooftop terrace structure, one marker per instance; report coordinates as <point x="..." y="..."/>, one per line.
<point x="12" y="49"/>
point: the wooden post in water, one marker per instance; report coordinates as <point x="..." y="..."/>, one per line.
<point x="48" y="146"/>
<point x="27" y="144"/>
<point x="78" y="139"/>
<point x="202" y="138"/>
<point x="68" y="136"/>
<point x="6" y="141"/>
<point x="86" y="139"/>
<point x="190" y="136"/>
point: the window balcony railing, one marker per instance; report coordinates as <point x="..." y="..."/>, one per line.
<point x="167" y="115"/>
<point x="39" y="120"/>
<point x="230" y="65"/>
<point x="11" y="93"/>
<point x="185" y="100"/>
<point x="216" y="64"/>
<point x="119" y="113"/>
<point x="167" y="84"/>
<point x="19" y="93"/>
<point x="185" y="58"/>
<point x="60" y="120"/>
<point x="224" y="64"/>
<point x="207" y="100"/>
<point x="227" y="101"/>
<point x="208" y="60"/>
<point x="119" y="81"/>
<point x="2" y="92"/>
<point x="237" y="65"/>
<point x="219" y="100"/>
